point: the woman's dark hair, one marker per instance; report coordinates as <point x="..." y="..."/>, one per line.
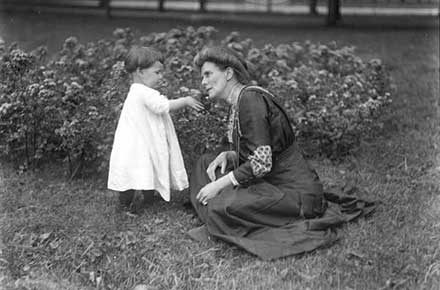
<point x="141" y="57"/>
<point x="223" y="58"/>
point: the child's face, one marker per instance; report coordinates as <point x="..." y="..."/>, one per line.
<point x="151" y="76"/>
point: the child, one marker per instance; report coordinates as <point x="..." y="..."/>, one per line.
<point x="146" y="155"/>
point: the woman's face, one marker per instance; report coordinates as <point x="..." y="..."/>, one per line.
<point x="214" y="80"/>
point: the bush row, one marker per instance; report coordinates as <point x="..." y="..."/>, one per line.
<point x="66" y="106"/>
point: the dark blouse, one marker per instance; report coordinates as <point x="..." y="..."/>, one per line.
<point x="261" y="131"/>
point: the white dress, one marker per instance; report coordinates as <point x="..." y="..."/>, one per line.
<point x="146" y="154"/>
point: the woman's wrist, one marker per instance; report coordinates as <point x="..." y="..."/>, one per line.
<point x="223" y="182"/>
<point x="231" y="155"/>
<point x="233" y="179"/>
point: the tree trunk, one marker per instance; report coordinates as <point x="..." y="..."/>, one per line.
<point x="161" y="5"/>
<point x="106" y="5"/>
<point x="312" y="7"/>
<point x="334" y="13"/>
<point x="338" y="9"/>
<point x="202" y="5"/>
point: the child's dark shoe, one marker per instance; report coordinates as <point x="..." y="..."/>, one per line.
<point x="149" y="196"/>
<point x="125" y="198"/>
<point x="137" y="203"/>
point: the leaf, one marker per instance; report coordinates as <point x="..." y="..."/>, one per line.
<point x="55" y="243"/>
<point x="44" y="237"/>
<point x="96" y="252"/>
<point x="349" y="187"/>
<point x="354" y="254"/>
<point x="158" y="221"/>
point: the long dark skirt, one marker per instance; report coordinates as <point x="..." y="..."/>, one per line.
<point x="282" y="214"/>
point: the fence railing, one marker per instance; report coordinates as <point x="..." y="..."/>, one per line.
<point x="332" y="7"/>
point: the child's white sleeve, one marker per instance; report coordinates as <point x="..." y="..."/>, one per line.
<point x="157" y="103"/>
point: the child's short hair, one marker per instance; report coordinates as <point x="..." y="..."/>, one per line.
<point x="141" y="57"/>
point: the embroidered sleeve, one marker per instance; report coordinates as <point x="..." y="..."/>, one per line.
<point x="261" y="161"/>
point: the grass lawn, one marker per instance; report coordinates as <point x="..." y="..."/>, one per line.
<point x="60" y="234"/>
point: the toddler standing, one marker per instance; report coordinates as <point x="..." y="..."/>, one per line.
<point x="146" y="155"/>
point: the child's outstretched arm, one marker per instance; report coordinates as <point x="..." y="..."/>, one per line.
<point x="185" y="102"/>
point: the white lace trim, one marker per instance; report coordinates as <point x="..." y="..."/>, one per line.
<point x="261" y="161"/>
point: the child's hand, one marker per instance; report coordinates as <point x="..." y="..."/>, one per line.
<point x="193" y="103"/>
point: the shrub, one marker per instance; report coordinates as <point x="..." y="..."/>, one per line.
<point x="68" y="106"/>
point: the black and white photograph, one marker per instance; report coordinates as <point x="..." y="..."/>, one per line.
<point x="219" y="144"/>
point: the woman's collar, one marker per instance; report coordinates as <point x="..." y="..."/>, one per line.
<point x="235" y="92"/>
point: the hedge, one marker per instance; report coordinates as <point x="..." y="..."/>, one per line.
<point x="66" y="106"/>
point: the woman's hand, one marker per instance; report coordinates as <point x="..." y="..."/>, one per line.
<point x="220" y="161"/>
<point x="208" y="191"/>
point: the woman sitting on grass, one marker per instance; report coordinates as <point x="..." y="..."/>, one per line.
<point x="260" y="194"/>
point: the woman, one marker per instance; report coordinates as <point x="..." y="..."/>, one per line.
<point x="262" y="195"/>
